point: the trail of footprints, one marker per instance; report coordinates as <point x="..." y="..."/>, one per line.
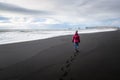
<point x="66" y="68"/>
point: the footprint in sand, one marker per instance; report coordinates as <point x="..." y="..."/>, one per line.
<point x="68" y="65"/>
<point x="65" y="68"/>
<point x="67" y="61"/>
<point x="65" y="74"/>
<point x="62" y="69"/>
<point x="75" y="55"/>
<point x="72" y="58"/>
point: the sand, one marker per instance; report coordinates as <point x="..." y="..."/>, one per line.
<point x="54" y="58"/>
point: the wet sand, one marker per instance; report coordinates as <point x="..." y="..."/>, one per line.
<point x="54" y="58"/>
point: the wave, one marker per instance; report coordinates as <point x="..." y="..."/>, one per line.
<point x="15" y="36"/>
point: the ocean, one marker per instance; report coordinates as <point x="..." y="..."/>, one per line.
<point x="15" y="36"/>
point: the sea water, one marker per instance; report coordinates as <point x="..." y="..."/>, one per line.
<point x="15" y="36"/>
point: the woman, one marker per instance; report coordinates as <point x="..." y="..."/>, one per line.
<point x="76" y="41"/>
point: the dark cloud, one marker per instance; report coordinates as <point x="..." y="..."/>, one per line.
<point x="70" y="11"/>
<point x="3" y="18"/>
<point x="107" y="5"/>
<point x="16" y="9"/>
<point x="90" y="9"/>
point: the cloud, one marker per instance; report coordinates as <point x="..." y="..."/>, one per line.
<point x="92" y="10"/>
<point x="16" y="9"/>
<point x="4" y="19"/>
<point x="72" y="12"/>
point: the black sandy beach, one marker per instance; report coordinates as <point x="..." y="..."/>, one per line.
<point x="54" y="58"/>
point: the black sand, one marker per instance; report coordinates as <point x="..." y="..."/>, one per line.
<point x="54" y="58"/>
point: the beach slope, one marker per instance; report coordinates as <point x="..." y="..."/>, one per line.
<point x="54" y="58"/>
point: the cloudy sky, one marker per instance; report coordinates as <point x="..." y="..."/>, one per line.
<point x="42" y="14"/>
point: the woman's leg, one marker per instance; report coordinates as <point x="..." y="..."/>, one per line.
<point x="76" y="46"/>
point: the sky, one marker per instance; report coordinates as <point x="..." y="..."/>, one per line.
<point x="58" y="14"/>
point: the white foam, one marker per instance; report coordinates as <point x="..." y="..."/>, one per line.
<point x="18" y="36"/>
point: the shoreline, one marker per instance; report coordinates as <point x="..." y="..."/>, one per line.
<point x="29" y="36"/>
<point x="54" y="58"/>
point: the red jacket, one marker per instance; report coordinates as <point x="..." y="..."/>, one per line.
<point x="76" y="38"/>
